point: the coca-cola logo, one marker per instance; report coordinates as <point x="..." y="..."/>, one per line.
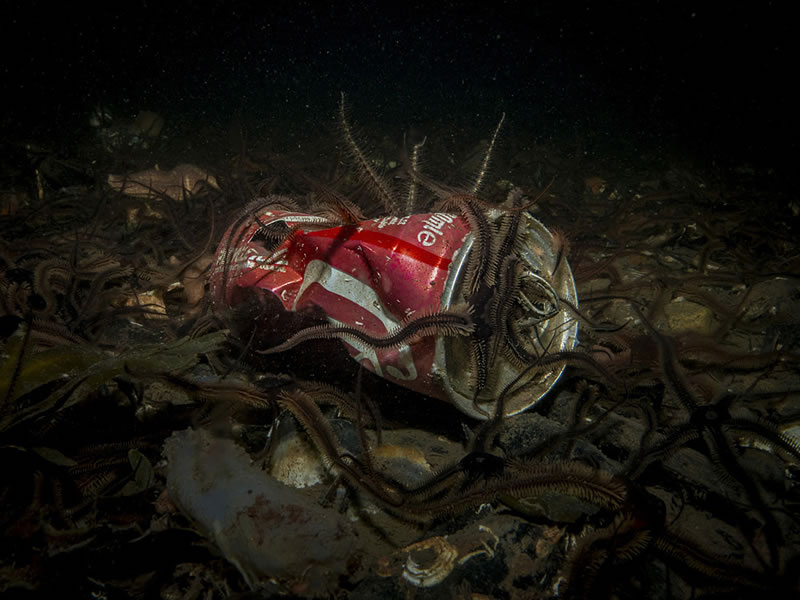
<point x="432" y="228"/>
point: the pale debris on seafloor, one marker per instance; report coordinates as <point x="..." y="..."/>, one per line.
<point x="428" y="562"/>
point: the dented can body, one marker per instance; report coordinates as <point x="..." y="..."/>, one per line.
<point x="379" y="273"/>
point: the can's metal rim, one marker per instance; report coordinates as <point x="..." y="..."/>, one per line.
<point x="561" y="330"/>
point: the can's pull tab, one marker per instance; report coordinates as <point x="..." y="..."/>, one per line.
<point x="539" y="297"/>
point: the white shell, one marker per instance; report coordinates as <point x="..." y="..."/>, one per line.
<point x="429" y="562"/>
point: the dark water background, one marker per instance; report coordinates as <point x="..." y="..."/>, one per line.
<point x="711" y="83"/>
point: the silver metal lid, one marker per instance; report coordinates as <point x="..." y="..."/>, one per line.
<point x="541" y="324"/>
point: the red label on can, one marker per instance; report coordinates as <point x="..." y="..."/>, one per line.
<point x="373" y="275"/>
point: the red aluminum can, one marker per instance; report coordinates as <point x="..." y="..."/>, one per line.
<point x="377" y="274"/>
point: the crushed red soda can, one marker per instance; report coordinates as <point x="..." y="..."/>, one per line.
<point x="377" y="274"/>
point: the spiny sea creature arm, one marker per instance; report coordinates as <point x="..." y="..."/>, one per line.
<point x="456" y="321"/>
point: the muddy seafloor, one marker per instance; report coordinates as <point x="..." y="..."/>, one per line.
<point x="661" y="465"/>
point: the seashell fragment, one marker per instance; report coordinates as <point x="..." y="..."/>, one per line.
<point x="152" y="303"/>
<point x="428" y="562"/>
<point x="295" y="462"/>
<point x="183" y="180"/>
